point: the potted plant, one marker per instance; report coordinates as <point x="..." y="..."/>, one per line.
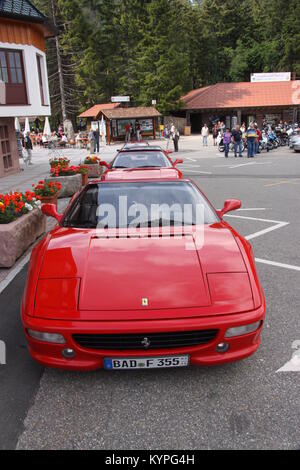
<point x="62" y="162"/>
<point x="47" y="191"/>
<point x="69" y="178"/>
<point x="21" y="223"/>
<point x="84" y="174"/>
<point x="93" y="165"/>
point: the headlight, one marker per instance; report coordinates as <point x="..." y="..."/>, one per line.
<point x="242" y="330"/>
<point x="47" y="337"/>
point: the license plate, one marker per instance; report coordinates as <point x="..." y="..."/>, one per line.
<point x="146" y="362"/>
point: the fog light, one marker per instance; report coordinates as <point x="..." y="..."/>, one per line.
<point x="242" y="330"/>
<point x="47" y="337"/>
<point x="68" y="353"/>
<point x="222" y="347"/>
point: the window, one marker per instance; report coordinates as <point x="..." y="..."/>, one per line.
<point x="12" y="74"/>
<point x="40" y="74"/>
<point x="3" y="67"/>
<point x="158" y="203"/>
<point x="5" y="148"/>
<point x="16" y="69"/>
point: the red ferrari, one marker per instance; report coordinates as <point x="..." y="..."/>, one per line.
<point x="144" y="157"/>
<point x="142" y="274"/>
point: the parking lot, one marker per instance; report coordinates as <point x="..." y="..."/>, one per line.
<point x="245" y="405"/>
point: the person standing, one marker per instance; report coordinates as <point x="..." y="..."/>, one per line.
<point x="257" y="140"/>
<point x="175" y="138"/>
<point x="138" y="131"/>
<point x="237" y="140"/>
<point x="227" y="139"/>
<point x="91" y="140"/>
<point x="215" y="134"/>
<point x="28" y="148"/>
<point x="172" y="129"/>
<point x="127" y="132"/>
<point x="251" y="140"/>
<point x="205" y="134"/>
<point x="96" y="141"/>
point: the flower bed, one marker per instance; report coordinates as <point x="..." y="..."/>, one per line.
<point x="59" y="162"/>
<point x="15" y="205"/>
<point x="69" y="177"/>
<point x="21" y="223"/>
<point x="70" y="183"/>
<point x="93" y="166"/>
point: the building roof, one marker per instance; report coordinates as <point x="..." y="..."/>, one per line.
<point x="132" y="113"/>
<point x="95" y="110"/>
<point x="20" y="9"/>
<point x="242" y="95"/>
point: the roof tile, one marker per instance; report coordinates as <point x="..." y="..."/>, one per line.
<point x="242" y="95"/>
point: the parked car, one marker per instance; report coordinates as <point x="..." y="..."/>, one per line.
<point x="141" y="174"/>
<point x="295" y="143"/>
<point x="145" y="158"/>
<point x="144" y="289"/>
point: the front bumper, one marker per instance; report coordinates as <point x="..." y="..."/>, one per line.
<point x="50" y="355"/>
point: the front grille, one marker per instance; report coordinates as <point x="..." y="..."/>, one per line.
<point x="145" y="341"/>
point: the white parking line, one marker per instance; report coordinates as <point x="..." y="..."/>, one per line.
<point x="279" y="265"/>
<point x="253" y="209"/>
<point x="199" y="172"/>
<point x="250" y="163"/>
<point x="278" y="224"/>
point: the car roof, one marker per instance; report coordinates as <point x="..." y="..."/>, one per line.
<point x="134" y="174"/>
<point x="141" y="149"/>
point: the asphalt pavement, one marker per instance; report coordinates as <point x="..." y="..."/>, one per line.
<point x="244" y="405"/>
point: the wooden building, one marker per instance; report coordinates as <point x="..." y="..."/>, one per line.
<point x="117" y="117"/>
<point x="24" y="90"/>
<point x="242" y="102"/>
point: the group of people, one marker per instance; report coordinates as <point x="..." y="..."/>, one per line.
<point x="239" y="136"/>
<point x="173" y="134"/>
<point x="131" y="131"/>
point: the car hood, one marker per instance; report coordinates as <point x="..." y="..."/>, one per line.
<point x="87" y="276"/>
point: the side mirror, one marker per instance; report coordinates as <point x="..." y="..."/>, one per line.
<point x="229" y="205"/>
<point x="102" y="163"/>
<point x="168" y="152"/>
<point x="178" y="161"/>
<point x="50" y="211"/>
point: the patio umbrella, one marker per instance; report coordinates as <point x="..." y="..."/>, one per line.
<point x="27" y="126"/>
<point x="17" y="124"/>
<point x="47" y="128"/>
<point x="103" y="129"/>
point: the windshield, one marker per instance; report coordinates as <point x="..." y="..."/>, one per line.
<point x="140" y="204"/>
<point x="143" y="159"/>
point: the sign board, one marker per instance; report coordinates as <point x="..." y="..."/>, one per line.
<point x="120" y="99"/>
<point x="154" y="102"/>
<point x="271" y="77"/>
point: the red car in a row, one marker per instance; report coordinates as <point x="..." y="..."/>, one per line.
<point x="124" y="286"/>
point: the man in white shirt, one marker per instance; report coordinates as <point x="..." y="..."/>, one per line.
<point x="205" y="134"/>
